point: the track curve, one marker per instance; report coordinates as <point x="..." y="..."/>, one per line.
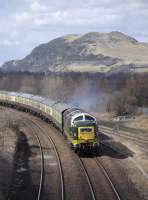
<point x="108" y="178"/>
<point x="58" y="160"/>
<point x="88" y="180"/>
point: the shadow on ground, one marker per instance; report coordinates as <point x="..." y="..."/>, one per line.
<point x="21" y="183"/>
<point x="5" y="174"/>
<point x="109" y="147"/>
<point x="115" y="150"/>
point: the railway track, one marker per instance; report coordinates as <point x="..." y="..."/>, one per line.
<point x="41" y="185"/>
<point x="88" y="179"/>
<point x="108" y="178"/>
<point x="41" y="163"/>
<point x="112" y="193"/>
<point x="137" y="139"/>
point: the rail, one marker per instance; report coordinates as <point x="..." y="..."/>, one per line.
<point x="108" y="178"/>
<point x="58" y="159"/>
<point x="88" y="179"/>
<point x="42" y="164"/>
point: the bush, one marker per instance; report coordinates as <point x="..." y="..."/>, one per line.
<point x="123" y="104"/>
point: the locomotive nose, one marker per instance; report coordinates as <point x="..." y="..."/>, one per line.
<point x="86" y="133"/>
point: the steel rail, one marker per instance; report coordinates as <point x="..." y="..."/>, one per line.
<point x="42" y="162"/>
<point x="137" y="141"/>
<point x="88" y="179"/>
<point x="108" y="178"/>
<point x="58" y="159"/>
<point x="140" y="139"/>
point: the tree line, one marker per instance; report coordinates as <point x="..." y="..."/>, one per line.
<point x="133" y="94"/>
<point x="121" y="93"/>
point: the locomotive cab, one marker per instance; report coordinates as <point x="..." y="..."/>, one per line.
<point x="82" y="131"/>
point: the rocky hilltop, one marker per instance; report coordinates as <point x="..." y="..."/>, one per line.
<point x="93" y="52"/>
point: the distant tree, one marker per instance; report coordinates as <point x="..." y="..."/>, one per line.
<point x="123" y="104"/>
<point x="137" y="86"/>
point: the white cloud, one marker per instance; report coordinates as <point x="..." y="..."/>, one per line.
<point x="35" y="6"/>
<point x="8" y="43"/>
<point x="25" y="16"/>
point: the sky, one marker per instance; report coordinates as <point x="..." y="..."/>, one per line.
<point x="24" y="24"/>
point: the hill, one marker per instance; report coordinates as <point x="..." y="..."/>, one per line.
<point x="93" y="52"/>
